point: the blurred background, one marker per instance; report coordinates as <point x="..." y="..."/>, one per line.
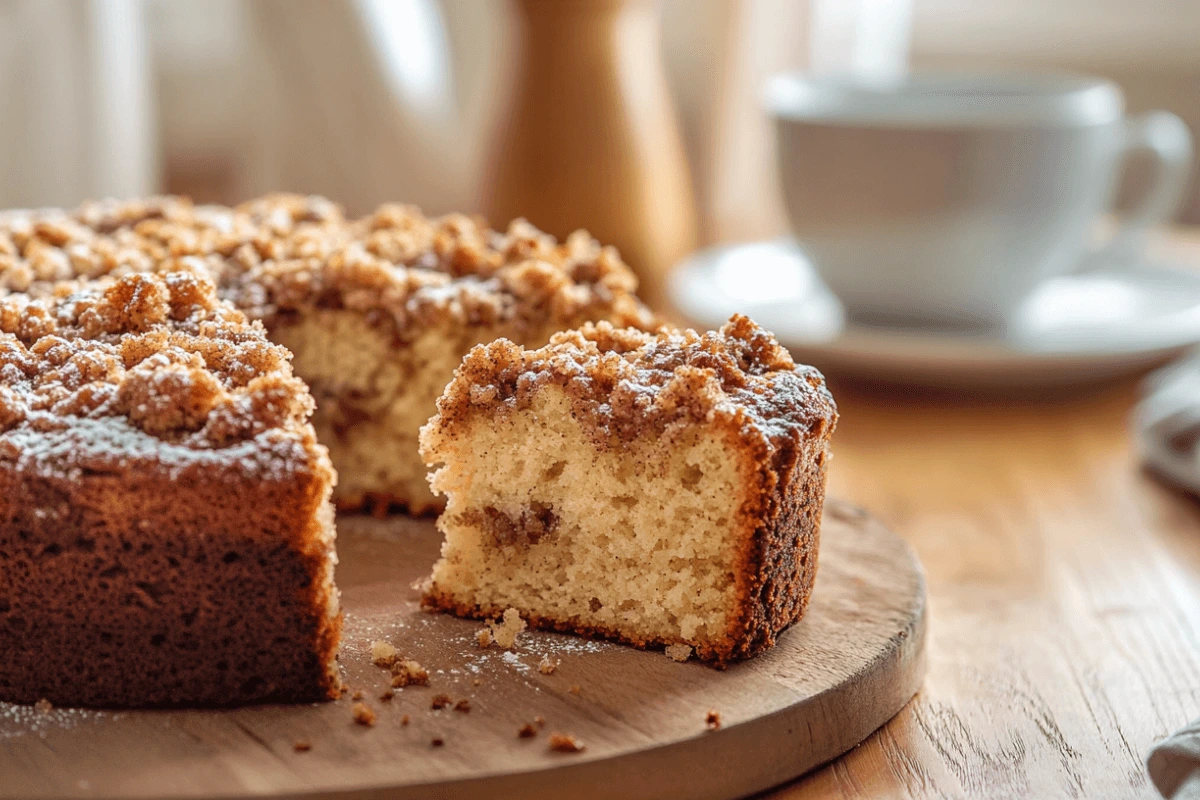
<point x="645" y="122"/>
<point x="373" y="100"/>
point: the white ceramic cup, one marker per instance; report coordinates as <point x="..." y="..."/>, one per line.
<point x="945" y="199"/>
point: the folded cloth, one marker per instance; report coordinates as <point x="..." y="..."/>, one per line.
<point x="1167" y="422"/>
<point x="1174" y="764"/>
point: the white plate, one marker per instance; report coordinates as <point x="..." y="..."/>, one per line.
<point x="1073" y="329"/>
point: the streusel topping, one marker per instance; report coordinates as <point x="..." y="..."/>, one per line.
<point x="284" y="253"/>
<point x="626" y="383"/>
<point x="160" y="353"/>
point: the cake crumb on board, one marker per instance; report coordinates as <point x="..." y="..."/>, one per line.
<point x="383" y="654"/>
<point x="358" y="695"/>
<point x="574" y="689"/>
<point x="407" y="672"/>
<point x="387" y="695"/>
<point x="502" y="631"/>
<point x="463" y="706"/>
<point x="564" y="743"/>
<point x="404" y="721"/>
<point x="679" y="652"/>
<point x="302" y="746"/>
<point x="547" y="665"/>
<point x="437" y="741"/>
<point x="712" y="720"/>
<point x="364" y="715"/>
<point x="527" y="731"/>
<point x="440" y="701"/>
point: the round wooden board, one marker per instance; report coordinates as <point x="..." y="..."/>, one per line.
<point x="844" y="670"/>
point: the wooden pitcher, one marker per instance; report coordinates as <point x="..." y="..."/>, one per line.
<point x="590" y="139"/>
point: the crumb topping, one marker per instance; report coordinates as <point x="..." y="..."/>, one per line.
<point x="150" y="363"/>
<point x="624" y="382"/>
<point x="284" y="252"/>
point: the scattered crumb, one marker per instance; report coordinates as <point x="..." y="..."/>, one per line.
<point x="476" y="682"/>
<point x="363" y="714"/>
<point x="564" y="743"/>
<point x="484" y="637"/>
<point x="358" y="695"/>
<point x="463" y="706"/>
<point x="574" y="688"/>
<point x="302" y="746"/>
<point x="527" y="731"/>
<point x="437" y="741"/>
<point x="343" y="690"/>
<point x="506" y="629"/>
<point x="540" y="721"/>
<point x="547" y="665"/>
<point x="43" y="706"/>
<point x="387" y="695"/>
<point x="383" y="654"/>
<point x="407" y="672"/>
<point x="404" y="721"/>
<point x="712" y="720"/>
<point x="679" y="652"/>
<point x="440" y="701"/>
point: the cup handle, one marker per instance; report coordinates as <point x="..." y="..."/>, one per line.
<point x="1167" y="138"/>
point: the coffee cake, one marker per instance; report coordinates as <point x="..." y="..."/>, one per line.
<point x="166" y="533"/>
<point x="656" y="489"/>
<point x="378" y="311"/>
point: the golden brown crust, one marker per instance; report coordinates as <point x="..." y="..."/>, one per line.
<point x="156" y="470"/>
<point x="626" y="384"/>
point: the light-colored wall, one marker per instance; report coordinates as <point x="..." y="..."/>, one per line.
<point x="1151" y="48"/>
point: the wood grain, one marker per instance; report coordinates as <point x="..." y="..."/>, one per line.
<point x="1063" y="586"/>
<point x="853" y="662"/>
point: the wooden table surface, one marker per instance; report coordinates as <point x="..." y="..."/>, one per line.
<point x="1064" y="589"/>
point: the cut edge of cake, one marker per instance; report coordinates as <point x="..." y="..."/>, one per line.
<point x="692" y="463"/>
<point x="165" y="526"/>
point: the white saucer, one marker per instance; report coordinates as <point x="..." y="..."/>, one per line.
<point x="1073" y="329"/>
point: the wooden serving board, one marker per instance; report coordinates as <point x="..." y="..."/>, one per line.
<point x="844" y="670"/>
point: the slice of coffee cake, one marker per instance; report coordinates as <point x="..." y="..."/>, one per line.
<point x="378" y="311"/>
<point x="656" y="489"/>
<point x="166" y="534"/>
